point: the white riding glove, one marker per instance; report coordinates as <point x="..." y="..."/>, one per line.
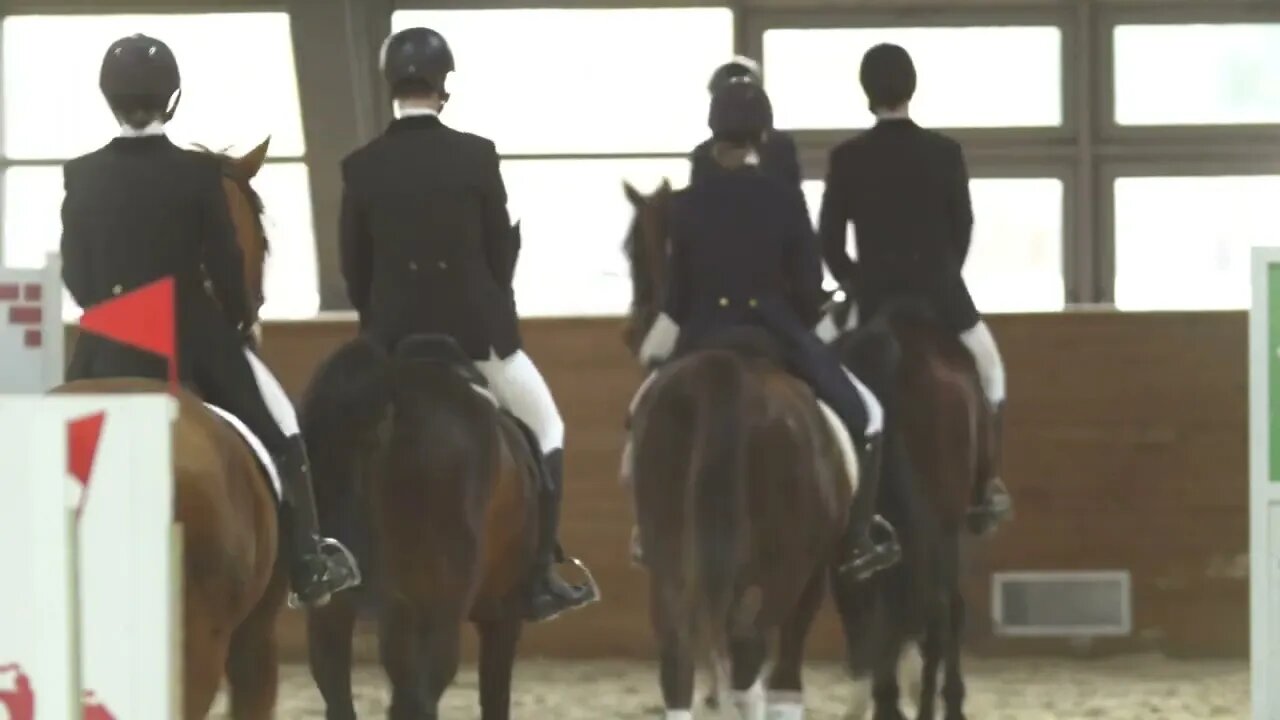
<point x="660" y="341"/>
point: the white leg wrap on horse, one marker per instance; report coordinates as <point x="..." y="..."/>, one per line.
<point x="785" y="711"/>
<point x="520" y="389"/>
<point x="678" y="715"/>
<point x="987" y="357"/>
<point x="875" y="411"/>
<point x="273" y="395"/>
<point x="750" y="703"/>
<point x="859" y="699"/>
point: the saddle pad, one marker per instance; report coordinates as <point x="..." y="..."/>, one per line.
<point x="259" y="450"/>
<point x="848" y="457"/>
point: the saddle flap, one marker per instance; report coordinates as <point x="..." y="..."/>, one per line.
<point x="441" y="350"/>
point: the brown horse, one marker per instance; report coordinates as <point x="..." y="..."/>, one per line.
<point x="741" y="492"/>
<point x="939" y="452"/>
<point x="233" y="588"/>
<point x="435" y="488"/>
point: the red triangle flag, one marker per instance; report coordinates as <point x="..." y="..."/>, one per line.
<point x="82" y="448"/>
<point x="143" y="318"/>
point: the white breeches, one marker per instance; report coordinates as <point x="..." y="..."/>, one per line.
<point x="273" y="395"/>
<point x="987" y="358"/>
<point x="519" y="388"/>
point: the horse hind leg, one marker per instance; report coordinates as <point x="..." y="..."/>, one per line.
<point x="498" y="641"/>
<point x="439" y="640"/>
<point x="675" y="653"/>
<point x="329" y="632"/>
<point x="885" y="691"/>
<point x="953" y="690"/>
<point x="204" y="657"/>
<point x="252" y="665"/>
<point x="399" y="650"/>
<point x="786" y="685"/>
<point x="931" y="662"/>
<point x="746" y="658"/>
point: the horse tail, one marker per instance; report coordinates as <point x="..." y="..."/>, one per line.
<point x="715" y="507"/>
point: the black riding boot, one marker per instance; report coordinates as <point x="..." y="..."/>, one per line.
<point x="864" y="555"/>
<point x="549" y="594"/>
<point x="993" y="505"/>
<point x="318" y="567"/>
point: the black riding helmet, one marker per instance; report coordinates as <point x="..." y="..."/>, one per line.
<point x="888" y="76"/>
<point x="739" y="67"/>
<point x="141" y="70"/>
<point x="740" y="112"/>
<point x="416" y="57"/>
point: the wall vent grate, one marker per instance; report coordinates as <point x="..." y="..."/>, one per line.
<point x="1062" y="604"/>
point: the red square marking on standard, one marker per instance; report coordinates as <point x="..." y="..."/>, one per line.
<point x="25" y="314"/>
<point x="32" y="292"/>
<point x="32" y="339"/>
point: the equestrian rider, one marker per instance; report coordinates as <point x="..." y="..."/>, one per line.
<point x="778" y="156"/>
<point x="743" y="252"/>
<point x="427" y="248"/>
<point x="140" y="209"/>
<point x="906" y="191"/>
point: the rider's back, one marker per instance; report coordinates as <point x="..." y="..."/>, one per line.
<point x="429" y="211"/>
<point x="740" y="237"/>
<point x="136" y="211"/>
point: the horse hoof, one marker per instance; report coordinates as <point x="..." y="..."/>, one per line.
<point x="711" y="701"/>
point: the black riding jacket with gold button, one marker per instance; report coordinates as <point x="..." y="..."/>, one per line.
<point x="426" y="241"/>
<point x="743" y="252"/>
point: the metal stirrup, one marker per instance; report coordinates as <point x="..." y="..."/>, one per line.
<point x="591" y="580"/>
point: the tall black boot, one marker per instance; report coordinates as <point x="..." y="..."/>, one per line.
<point x="864" y="555"/>
<point x="549" y="594"/>
<point x="318" y="567"/>
<point x="993" y="504"/>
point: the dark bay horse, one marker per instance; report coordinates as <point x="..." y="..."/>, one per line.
<point x="233" y="588"/>
<point x="939" y="452"/>
<point x="434" y="488"/>
<point x="741" y="491"/>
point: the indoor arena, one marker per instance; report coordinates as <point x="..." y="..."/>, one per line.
<point x="438" y="244"/>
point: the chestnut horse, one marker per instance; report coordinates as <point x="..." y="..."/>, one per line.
<point x="435" y="489"/>
<point x="233" y="588"/>
<point x="741" y="492"/>
<point x="938" y="455"/>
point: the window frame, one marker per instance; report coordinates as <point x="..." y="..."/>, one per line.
<point x="1218" y="137"/>
<point x="1013" y="137"/>
<point x="1108" y="173"/>
<point x="84" y="8"/>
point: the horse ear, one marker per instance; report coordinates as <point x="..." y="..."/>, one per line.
<point x="633" y="194"/>
<point x="665" y="187"/>
<point x="251" y="163"/>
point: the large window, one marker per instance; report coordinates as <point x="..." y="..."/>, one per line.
<point x="581" y="81"/>
<point x="1015" y="260"/>
<point x="585" y="99"/>
<point x="1197" y="74"/>
<point x="231" y="100"/>
<point x="968" y="76"/>
<point x="1183" y="242"/>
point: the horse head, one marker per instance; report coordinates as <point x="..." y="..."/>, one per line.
<point x="646" y="248"/>
<point x="246" y="208"/>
